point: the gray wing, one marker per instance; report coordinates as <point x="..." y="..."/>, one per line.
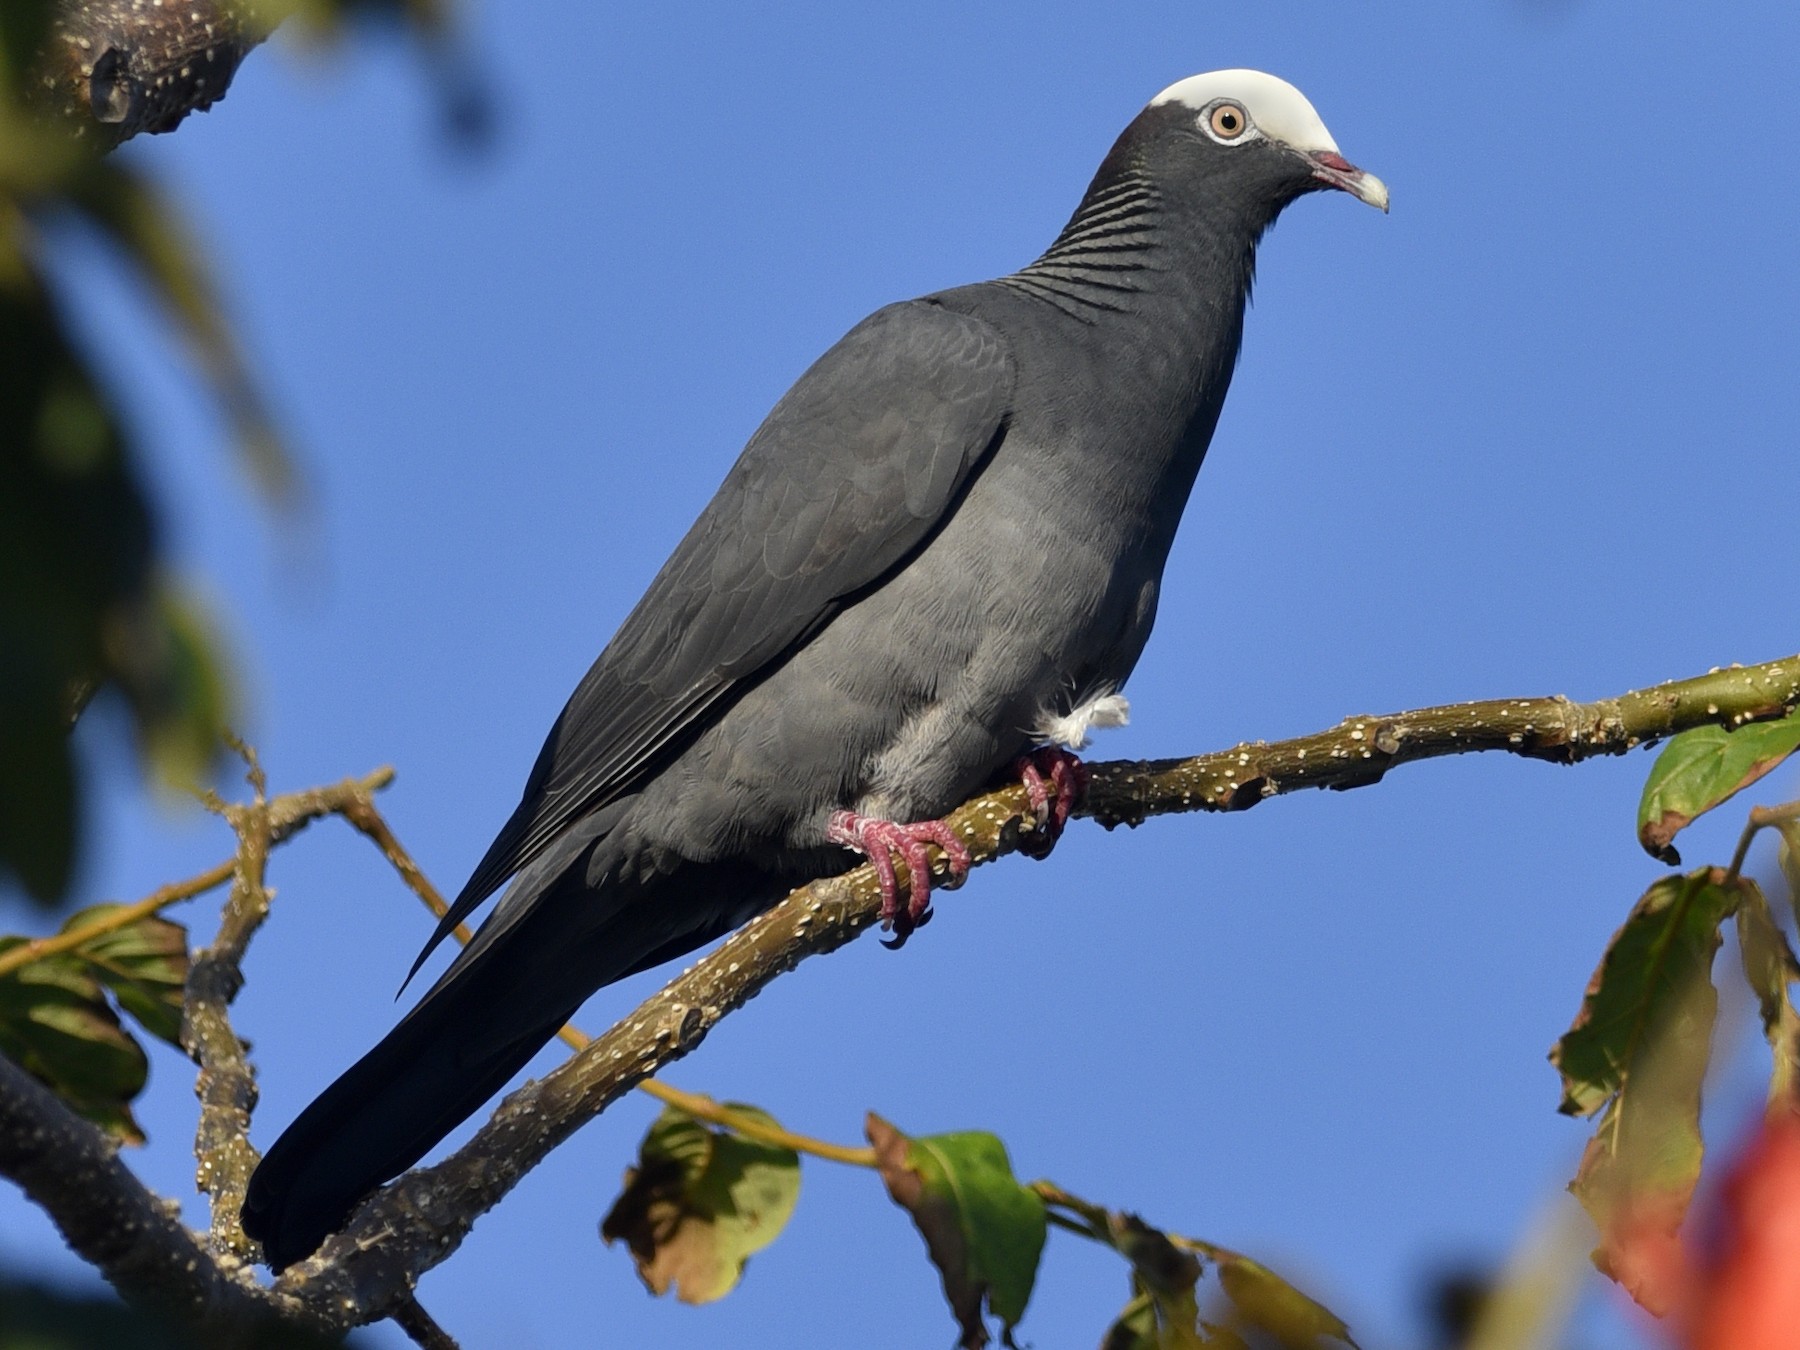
<point x="849" y="475"/>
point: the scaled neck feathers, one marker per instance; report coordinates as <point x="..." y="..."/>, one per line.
<point x="1108" y="252"/>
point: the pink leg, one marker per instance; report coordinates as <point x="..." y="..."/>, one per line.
<point x="1051" y="800"/>
<point x="880" y="840"/>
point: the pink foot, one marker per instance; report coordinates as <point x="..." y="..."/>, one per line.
<point x="879" y="841"/>
<point x="1055" y="781"/>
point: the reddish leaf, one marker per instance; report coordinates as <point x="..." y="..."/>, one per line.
<point x="1640" y="1246"/>
<point x="1749" y="1297"/>
<point x="1639" y="1049"/>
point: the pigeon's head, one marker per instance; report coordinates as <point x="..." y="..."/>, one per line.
<point x="1249" y="137"/>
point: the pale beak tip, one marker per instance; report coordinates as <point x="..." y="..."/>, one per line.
<point x="1372" y="190"/>
<point x="1332" y="169"/>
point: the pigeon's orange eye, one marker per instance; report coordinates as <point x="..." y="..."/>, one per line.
<point x="1228" y="121"/>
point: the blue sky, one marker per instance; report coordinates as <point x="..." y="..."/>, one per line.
<point x="1530" y="434"/>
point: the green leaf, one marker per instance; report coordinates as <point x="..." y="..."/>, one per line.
<point x="144" y="964"/>
<point x="1639" y="1048"/>
<point x="1702" y="768"/>
<point x="1645" y="989"/>
<point x="179" y="685"/>
<point x="982" y="1229"/>
<point x="75" y="548"/>
<point x="700" y="1203"/>
<point x="56" y="1024"/>
<point x="1270" y="1304"/>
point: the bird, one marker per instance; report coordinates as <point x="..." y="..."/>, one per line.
<point x="935" y="563"/>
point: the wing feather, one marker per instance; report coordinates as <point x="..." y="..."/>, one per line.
<point x="851" y="472"/>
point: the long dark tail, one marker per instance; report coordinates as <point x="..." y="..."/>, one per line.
<point x="526" y="973"/>
<point x="387" y="1111"/>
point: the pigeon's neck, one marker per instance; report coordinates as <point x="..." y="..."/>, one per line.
<point x="1106" y="260"/>
<point x="1130" y="255"/>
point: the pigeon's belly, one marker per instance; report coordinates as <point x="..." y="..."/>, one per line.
<point x="1024" y="606"/>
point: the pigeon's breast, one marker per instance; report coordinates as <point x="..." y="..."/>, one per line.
<point x="1037" y="593"/>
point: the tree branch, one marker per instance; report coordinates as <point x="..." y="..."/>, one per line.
<point x="365" y="1273"/>
<point x="1360" y="750"/>
<point x="115" y="68"/>
<point x="226" y="1085"/>
<point x="421" y="1327"/>
<point x="135" y="1239"/>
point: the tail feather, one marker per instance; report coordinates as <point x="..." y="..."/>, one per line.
<point x="532" y="965"/>
<point x="376" y="1121"/>
<point x="550" y="943"/>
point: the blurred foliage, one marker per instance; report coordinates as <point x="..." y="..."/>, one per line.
<point x="89" y="610"/>
<point x="37" y="1317"/>
<point x="1638" y="1052"/>
<point x="60" y="1014"/>
<point x="88" y="607"/>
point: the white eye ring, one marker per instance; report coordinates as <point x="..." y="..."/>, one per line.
<point x="1227" y="123"/>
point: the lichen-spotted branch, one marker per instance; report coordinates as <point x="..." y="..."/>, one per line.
<point x="113" y="69"/>
<point x="416" y="1223"/>
<point x="226" y="1084"/>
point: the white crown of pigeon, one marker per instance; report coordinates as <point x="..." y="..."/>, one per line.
<point x="1277" y="109"/>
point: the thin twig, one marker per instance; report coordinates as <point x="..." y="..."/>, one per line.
<point x="122" y="917"/>
<point x="421" y="1327"/>
<point x="705" y="1108"/>
<point x="226" y="1085"/>
<point x="367" y="818"/>
<point x="1761" y="818"/>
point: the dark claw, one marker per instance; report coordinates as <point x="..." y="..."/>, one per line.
<point x="904" y="926"/>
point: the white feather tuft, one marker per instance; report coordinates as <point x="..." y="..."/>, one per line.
<point x="1100" y="713"/>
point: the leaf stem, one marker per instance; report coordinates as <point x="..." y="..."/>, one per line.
<point x="1761" y="818"/>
